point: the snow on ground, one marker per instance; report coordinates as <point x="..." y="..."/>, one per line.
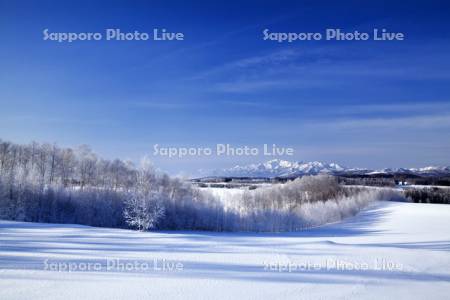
<point x="388" y="251"/>
<point x="228" y="197"/>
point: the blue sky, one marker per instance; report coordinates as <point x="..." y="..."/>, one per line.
<point x="362" y="103"/>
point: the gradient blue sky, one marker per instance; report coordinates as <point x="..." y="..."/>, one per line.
<point x="361" y="104"/>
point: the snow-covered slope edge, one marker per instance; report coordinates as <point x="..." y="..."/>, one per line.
<point x="388" y="251"/>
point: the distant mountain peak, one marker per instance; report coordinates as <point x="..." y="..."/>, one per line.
<point x="278" y="167"/>
<point x="284" y="168"/>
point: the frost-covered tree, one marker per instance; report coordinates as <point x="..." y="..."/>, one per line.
<point x="143" y="207"/>
<point x="142" y="212"/>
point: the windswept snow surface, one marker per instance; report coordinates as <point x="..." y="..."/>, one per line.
<point x="389" y="251"/>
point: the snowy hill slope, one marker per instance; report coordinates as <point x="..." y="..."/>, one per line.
<point x="388" y="251"/>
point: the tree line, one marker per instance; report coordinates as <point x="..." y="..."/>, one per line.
<point x="428" y="195"/>
<point x="47" y="183"/>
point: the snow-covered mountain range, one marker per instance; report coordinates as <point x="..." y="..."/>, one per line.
<point x="284" y="168"/>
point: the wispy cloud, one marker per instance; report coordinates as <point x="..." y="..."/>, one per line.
<point x="248" y="86"/>
<point x="264" y="60"/>
<point x="339" y="110"/>
<point x="394" y="107"/>
<point x="410" y="122"/>
<point x="312" y="66"/>
<point x="159" y="105"/>
<point x="54" y="120"/>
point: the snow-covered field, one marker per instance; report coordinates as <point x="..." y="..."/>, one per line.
<point x="389" y="251"/>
